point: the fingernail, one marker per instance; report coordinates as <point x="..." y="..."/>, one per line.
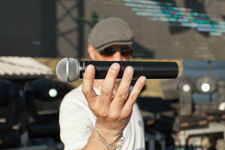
<point x="130" y="70"/>
<point x="143" y="79"/>
<point x="115" y="66"/>
<point x="89" y="68"/>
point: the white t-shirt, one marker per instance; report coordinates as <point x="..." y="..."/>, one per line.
<point x="77" y="123"/>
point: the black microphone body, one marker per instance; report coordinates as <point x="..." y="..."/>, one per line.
<point x="151" y="70"/>
<point x="69" y="69"/>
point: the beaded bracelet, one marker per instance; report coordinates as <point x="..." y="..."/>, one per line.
<point x="102" y="140"/>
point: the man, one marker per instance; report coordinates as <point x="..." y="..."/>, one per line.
<point x="102" y="114"/>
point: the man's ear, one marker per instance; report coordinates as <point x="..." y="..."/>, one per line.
<point x="91" y="51"/>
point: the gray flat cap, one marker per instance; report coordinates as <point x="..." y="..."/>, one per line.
<point x="110" y="31"/>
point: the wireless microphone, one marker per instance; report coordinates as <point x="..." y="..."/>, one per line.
<point x="70" y="69"/>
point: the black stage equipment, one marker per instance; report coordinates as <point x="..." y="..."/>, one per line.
<point x="189" y="114"/>
<point x="182" y="89"/>
<point x="190" y="120"/>
<point x="43" y="98"/>
<point x="11" y="107"/>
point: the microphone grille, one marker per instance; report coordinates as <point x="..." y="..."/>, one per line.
<point x="67" y="69"/>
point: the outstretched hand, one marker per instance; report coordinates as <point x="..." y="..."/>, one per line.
<point x="113" y="112"/>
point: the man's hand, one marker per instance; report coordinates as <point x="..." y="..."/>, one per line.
<point x="113" y="112"/>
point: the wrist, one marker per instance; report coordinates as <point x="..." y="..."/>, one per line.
<point x="109" y="132"/>
<point x="111" y="141"/>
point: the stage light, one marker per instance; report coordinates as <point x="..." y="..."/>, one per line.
<point x="206" y="84"/>
<point x="47" y="89"/>
<point x="170" y="89"/>
<point x="44" y="95"/>
<point x="53" y="92"/>
<point x="43" y="98"/>
<point x="222" y="106"/>
<point x="181" y="89"/>
<point x="205" y="87"/>
<point x="11" y="110"/>
<point x="11" y="101"/>
<point x="186" y="88"/>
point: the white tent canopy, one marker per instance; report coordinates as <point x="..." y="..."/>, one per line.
<point x="22" y="67"/>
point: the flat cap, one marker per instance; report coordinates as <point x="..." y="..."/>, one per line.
<point x="110" y="31"/>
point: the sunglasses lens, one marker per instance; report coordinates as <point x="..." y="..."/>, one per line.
<point x="126" y="52"/>
<point x="108" y="52"/>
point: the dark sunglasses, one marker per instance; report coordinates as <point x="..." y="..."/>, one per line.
<point x="125" y="51"/>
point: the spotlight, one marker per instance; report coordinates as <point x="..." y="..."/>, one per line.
<point x="11" y="101"/>
<point x="206" y="84"/>
<point x="11" y="107"/>
<point x="43" y="98"/>
<point x="45" y="94"/>
<point x="186" y="87"/>
<point x="53" y="92"/>
<point x="47" y="89"/>
<point x="170" y="89"/>
<point x="222" y="106"/>
<point x="181" y="89"/>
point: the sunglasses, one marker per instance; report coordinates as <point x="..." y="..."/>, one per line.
<point x="125" y="51"/>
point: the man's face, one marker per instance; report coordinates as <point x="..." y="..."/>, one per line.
<point x="115" y="53"/>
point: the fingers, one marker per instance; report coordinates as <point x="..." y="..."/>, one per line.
<point x="104" y="100"/>
<point x="134" y="95"/>
<point x="88" y="83"/>
<point x="106" y="89"/>
<point x="109" y="84"/>
<point x="123" y="89"/>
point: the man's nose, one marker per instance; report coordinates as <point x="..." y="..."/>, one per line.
<point x="117" y="56"/>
